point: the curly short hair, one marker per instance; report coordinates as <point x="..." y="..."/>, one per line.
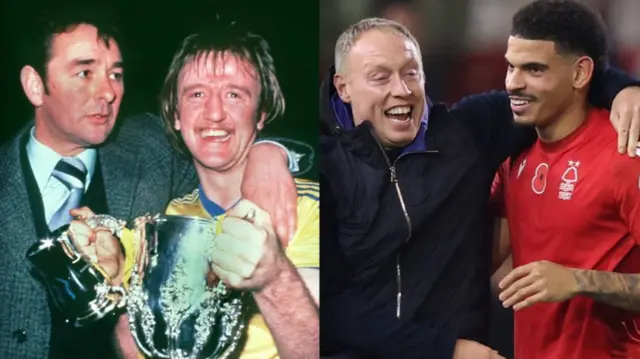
<point x="572" y="26"/>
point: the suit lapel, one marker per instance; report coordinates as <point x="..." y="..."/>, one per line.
<point x="120" y="177"/>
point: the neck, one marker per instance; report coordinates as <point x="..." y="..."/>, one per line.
<point x="565" y="124"/>
<point x="223" y="188"/>
<point x="46" y="134"/>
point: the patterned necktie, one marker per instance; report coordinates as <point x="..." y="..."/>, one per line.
<point x="72" y="173"/>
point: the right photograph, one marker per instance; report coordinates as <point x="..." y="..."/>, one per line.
<point x="480" y="175"/>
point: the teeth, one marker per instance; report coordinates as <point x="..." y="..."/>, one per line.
<point x="520" y="102"/>
<point x="396" y="120"/>
<point x="399" y="110"/>
<point x="214" y="133"/>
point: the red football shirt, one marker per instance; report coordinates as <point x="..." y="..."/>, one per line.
<point x="576" y="202"/>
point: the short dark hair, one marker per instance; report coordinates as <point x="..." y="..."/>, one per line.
<point x="60" y="19"/>
<point x="217" y="40"/>
<point x="572" y="26"/>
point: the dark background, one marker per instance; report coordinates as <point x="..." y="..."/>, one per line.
<point x="151" y="32"/>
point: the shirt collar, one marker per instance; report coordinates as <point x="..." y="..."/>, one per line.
<point x="210" y="206"/>
<point x="43" y="160"/>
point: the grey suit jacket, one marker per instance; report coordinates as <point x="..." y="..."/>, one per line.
<point x="141" y="172"/>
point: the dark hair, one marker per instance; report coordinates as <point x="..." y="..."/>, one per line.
<point x="217" y="40"/>
<point x="572" y="26"/>
<point x="57" y="20"/>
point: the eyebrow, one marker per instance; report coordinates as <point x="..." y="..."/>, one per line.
<point x="375" y="67"/>
<point x="88" y="62"/>
<point x="118" y="65"/>
<point x="241" y="89"/>
<point x="200" y="85"/>
<point x="530" y="65"/>
<point x="190" y="88"/>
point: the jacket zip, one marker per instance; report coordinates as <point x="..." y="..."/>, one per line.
<point x="394" y="180"/>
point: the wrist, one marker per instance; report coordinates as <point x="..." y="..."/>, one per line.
<point x="581" y="286"/>
<point x="283" y="277"/>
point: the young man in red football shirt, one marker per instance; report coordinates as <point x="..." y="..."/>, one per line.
<point x="572" y="202"/>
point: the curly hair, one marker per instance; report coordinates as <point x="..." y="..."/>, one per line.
<point x="572" y="26"/>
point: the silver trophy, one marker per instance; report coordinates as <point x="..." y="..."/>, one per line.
<point x="177" y="307"/>
<point x="77" y="285"/>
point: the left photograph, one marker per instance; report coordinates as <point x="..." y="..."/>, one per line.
<point x="159" y="180"/>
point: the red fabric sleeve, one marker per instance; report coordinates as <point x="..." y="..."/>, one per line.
<point x="626" y="189"/>
<point x="497" y="200"/>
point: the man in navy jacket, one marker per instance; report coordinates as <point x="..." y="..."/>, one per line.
<point x="404" y="208"/>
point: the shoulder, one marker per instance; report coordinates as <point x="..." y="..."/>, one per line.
<point x="184" y="204"/>
<point x="146" y="128"/>
<point x="307" y="189"/>
<point x="482" y="101"/>
<point x="308" y="201"/>
<point x="448" y="131"/>
<point x="190" y="198"/>
<point x="622" y="166"/>
<point x="10" y="150"/>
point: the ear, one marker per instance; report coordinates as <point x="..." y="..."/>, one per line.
<point x="176" y="123"/>
<point x="32" y="85"/>
<point x="263" y="118"/>
<point x="340" y="84"/>
<point x="583" y="72"/>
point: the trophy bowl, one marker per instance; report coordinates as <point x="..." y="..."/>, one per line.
<point x="177" y="307"/>
<point x="77" y="285"/>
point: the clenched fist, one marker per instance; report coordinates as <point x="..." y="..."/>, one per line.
<point x="99" y="244"/>
<point x="247" y="254"/>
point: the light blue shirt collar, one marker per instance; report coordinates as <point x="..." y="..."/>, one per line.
<point x="43" y="160"/>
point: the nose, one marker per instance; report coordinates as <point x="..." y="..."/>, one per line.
<point x="106" y="90"/>
<point x="214" y="109"/>
<point x="399" y="87"/>
<point x="514" y="81"/>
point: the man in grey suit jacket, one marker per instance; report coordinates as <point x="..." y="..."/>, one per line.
<point x="127" y="170"/>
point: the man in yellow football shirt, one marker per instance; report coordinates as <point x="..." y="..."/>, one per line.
<point x="219" y="92"/>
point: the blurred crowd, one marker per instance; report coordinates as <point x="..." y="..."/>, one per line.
<point x="463" y="41"/>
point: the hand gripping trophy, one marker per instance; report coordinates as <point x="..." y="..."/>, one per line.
<point x="177" y="307"/>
